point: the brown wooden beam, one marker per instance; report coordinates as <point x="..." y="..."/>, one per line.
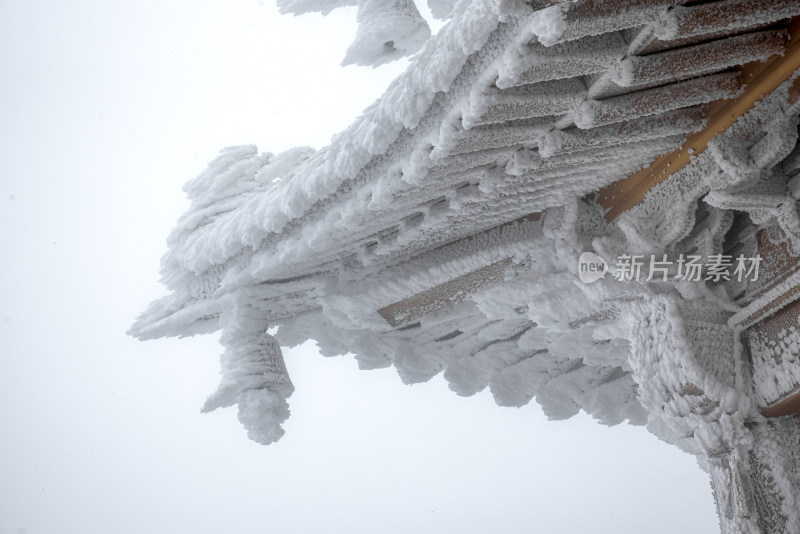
<point x="402" y="312"/>
<point x="761" y="79"/>
<point x="443" y="295"/>
<point x="788" y="406"/>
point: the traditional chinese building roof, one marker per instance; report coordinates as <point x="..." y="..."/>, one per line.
<point x="441" y="231"/>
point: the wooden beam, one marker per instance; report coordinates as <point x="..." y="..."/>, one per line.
<point x="443" y="295"/>
<point x="773" y="328"/>
<point x="761" y="79"/>
<point x="788" y="406"/>
<point x="453" y="291"/>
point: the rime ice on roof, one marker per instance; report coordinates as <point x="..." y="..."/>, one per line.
<point x="387" y="30"/>
<point x="440" y="232"/>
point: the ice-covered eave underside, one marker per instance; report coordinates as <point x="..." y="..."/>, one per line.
<point x="487" y="126"/>
<point x="393" y="234"/>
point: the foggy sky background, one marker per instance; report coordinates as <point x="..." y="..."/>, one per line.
<point x="106" y="109"/>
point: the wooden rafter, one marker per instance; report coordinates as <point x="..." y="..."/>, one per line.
<point x="761" y="79"/>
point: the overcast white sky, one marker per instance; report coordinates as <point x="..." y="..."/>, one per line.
<point x="106" y="109"/>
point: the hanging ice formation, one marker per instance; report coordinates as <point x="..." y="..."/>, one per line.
<point x="440" y="233"/>
<point x="387" y="29"/>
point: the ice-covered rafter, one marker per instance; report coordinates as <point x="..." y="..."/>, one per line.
<point x="762" y="78"/>
<point x="441" y="233"/>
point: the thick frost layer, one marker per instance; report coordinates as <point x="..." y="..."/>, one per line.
<point x="299" y="7"/>
<point x="440" y="233"/>
<point x="268" y="211"/>
<point x="549" y="24"/>
<point x="387" y="30"/>
<point x="253" y="374"/>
